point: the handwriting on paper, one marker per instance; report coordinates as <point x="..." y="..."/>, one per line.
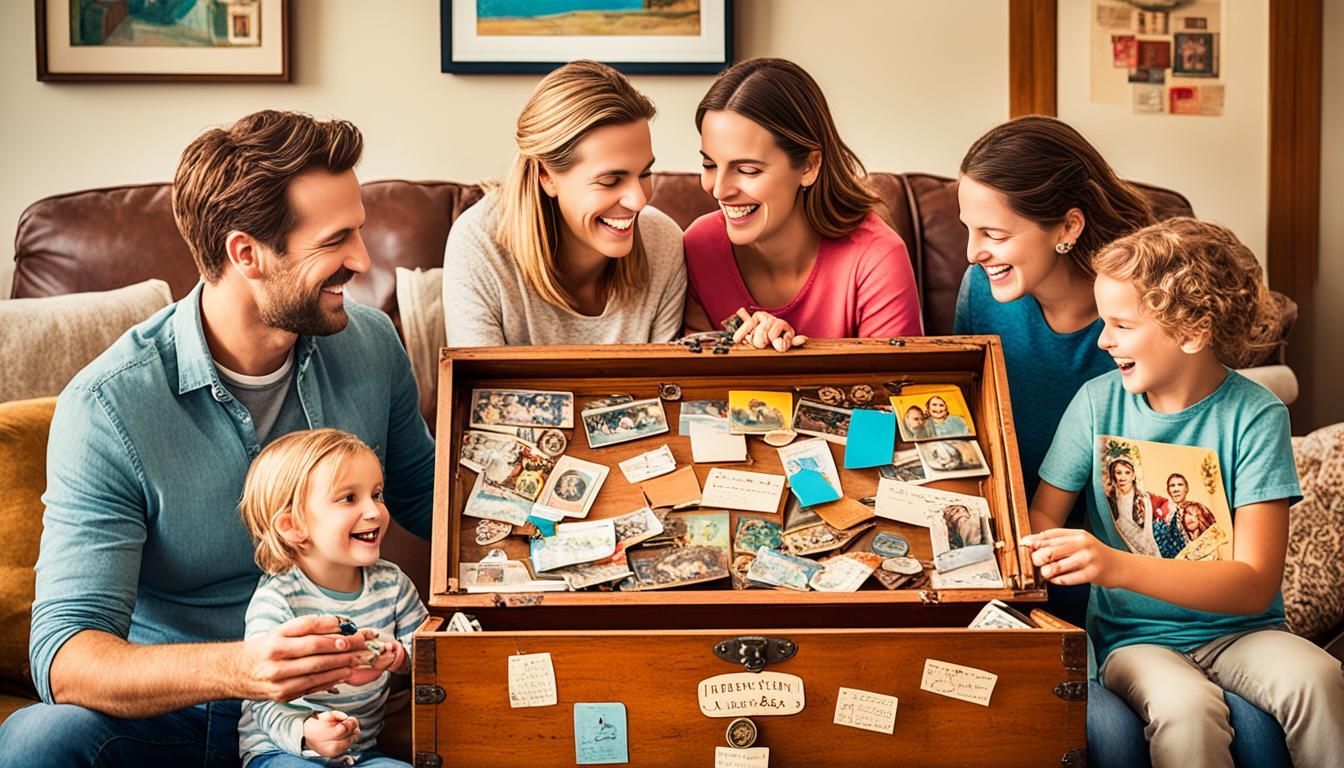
<point x="752" y="491"/>
<point x="743" y="694"/>
<point x="755" y="757"/>
<point x="958" y="682"/>
<point x="531" y="680"/>
<point x="865" y="709"/>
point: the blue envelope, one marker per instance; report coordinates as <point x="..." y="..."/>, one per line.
<point x="812" y="488"/>
<point x="872" y="439"/>
<point x="600" y="734"/>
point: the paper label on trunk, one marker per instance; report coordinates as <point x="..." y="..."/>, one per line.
<point x="531" y="680"/>
<point x="958" y="682"/>
<point x="755" y="757"/>
<point x="744" y="694"/>
<point x="865" y="709"/>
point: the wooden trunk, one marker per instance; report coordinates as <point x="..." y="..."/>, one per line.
<point x="650" y="650"/>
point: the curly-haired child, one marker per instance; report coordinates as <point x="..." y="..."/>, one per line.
<point x="1180" y="300"/>
<point x="313" y="502"/>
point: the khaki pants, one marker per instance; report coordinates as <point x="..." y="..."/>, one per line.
<point x="1180" y="696"/>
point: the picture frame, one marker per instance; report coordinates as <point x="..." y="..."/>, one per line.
<point x="537" y="43"/>
<point x="216" y="41"/>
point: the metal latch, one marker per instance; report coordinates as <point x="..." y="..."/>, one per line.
<point x="428" y="760"/>
<point x="429" y="694"/>
<point x="1072" y="690"/>
<point x="754" y="652"/>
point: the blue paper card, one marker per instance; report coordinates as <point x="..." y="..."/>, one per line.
<point x="599" y="734"/>
<point x="812" y="488"/>
<point x="547" y="527"/>
<point x="872" y="438"/>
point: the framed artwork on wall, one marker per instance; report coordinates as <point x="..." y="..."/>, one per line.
<point x="224" y="41"/>
<point x="634" y="36"/>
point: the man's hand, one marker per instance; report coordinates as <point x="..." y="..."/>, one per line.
<point x="1071" y="556"/>
<point x="761" y="329"/>
<point x="330" y="733"/>
<point x="301" y="656"/>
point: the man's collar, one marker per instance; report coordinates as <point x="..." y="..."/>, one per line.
<point x="195" y="364"/>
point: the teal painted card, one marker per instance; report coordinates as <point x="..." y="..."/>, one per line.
<point x="600" y="734"/>
<point x="872" y="437"/>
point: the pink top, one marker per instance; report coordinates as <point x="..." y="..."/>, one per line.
<point x="861" y="286"/>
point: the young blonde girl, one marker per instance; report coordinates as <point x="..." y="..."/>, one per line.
<point x="313" y="502"/>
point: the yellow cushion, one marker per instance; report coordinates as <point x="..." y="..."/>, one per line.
<point x="24" y="425"/>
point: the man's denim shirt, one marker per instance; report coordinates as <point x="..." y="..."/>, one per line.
<point x="142" y="537"/>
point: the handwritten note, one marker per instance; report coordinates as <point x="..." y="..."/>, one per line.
<point x="600" y="734"/>
<point x="958" y="682"/>
<point x="531" y="680"/>
<point x="866" y="710"/>
<point x="752" y="491"/>
<point x="727" y="757"/>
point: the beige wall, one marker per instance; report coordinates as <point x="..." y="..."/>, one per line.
<point x="1220" y="163"/>
<point x="1327" y="404"/>
<point x="911" y="83"/>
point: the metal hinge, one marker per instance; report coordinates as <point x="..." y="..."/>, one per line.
<point x="429" y="694"/>
<point x="428" y="760"/>
<point x="1073" y="651"/>
<point x="1072" y="690"/>
<point x="1074" y="758"/>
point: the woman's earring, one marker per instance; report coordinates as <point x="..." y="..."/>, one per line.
<point x="1063" y="247"/>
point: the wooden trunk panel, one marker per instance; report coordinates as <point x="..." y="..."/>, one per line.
<point x="655" y="674"/>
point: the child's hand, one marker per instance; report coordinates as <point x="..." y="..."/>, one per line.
<point x="330" y="733"/>
<point x="1071" y="556"/>
<point x="390" y="656"/>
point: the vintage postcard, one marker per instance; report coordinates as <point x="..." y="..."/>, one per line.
<point x="905" y="467"/>
<point x="810" y="467"/>
<point x="712" y="443"/>
<point x="574" y="543"/>
<point x="734" y="489"/>
<point x="653" y="463"/>
<point x="1196" y="55"/>
<point x="520" y="468"/>
<point x="813" y="417"/>
<point x="845" y="513"/>
<point x="798" y="517"/>
<point x="678" y="489"/>
<point x="930" y="411"/>
<point x="491" y="502"/>
<point x="755" y="413"/>
<point x="782" y="570"/>
<point x="1164" y="500"/>
<point x="480" y="449"/>
<point x="841" y="574"/>
<point x="637" y="526"/>
<point x="668" y="567"/>
<point x="572" y="487"/>
<point x="756" y="532"/>
<point x="822" y="538"/>
<point x="624" y="422"/>
<point x="911" y="504"/>
<point x="946" y="459"/>
<point x="496" y="573"/>
<point x="492" y="408"/>
<point x="586" y="575"/>
<point x="693" y="411"/>
<point x="999" y="615"/>
<point x="961" y="532"/>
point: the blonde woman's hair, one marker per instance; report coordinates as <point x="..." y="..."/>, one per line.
<point x="1195" y="277"/>
<point x="567" y="104"/>
<point x="277" y="485"/>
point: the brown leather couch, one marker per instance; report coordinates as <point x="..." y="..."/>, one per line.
<point x="101" y="239"/>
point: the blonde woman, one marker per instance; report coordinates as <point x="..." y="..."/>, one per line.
<point x="567" y="249"/>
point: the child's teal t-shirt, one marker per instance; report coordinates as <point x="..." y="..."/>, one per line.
<point x="1045" y="368"/>
<point x="1242" y="423"/>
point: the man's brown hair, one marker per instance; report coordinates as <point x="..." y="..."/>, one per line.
<point x="782" y="98"/>
<point x="237" y="178"/>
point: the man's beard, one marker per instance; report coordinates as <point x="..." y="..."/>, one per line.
<point x="290" y="307"/>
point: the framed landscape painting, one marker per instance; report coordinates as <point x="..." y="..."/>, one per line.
<point x="634" y="36"/>
<point x="163" y="40"/>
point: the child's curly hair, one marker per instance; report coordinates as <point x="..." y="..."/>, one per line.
<point x="1195" y="277"/>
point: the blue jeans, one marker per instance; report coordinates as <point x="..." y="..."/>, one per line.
<point x="1115" y="734"/>
<point x="278" y="759"/>
<point x="67" y="736"/>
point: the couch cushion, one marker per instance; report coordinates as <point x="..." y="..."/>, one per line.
<point x="24" y="426"/>
<point x="1313" y="575"/>
<point x="47" y="341"/>
<point x="420" y="302"/>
